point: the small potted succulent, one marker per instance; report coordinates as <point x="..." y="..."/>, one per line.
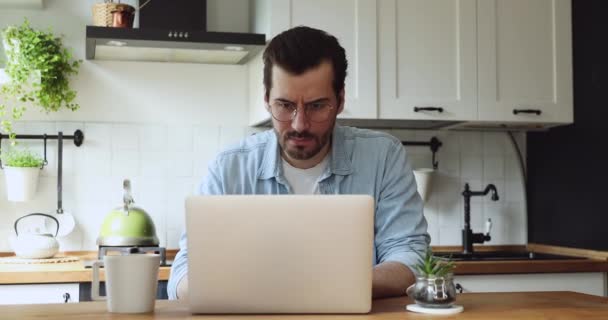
<point x="434" y="286"/>
<point x="21" y="171"/>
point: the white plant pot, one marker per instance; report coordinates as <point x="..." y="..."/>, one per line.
<point x="424" y="182"/>
<point x="21" y="183"/>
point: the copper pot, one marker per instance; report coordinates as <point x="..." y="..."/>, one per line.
<point x="122" y="16"/>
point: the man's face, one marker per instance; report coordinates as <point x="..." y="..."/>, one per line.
<point x="302" y="139"/>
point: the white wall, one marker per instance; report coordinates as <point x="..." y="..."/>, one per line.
<point x="159" y="123"/>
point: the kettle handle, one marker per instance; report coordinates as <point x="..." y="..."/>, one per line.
<point x="37" y="214"/>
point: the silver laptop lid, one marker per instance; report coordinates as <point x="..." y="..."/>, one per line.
<point x="280" y="253"/>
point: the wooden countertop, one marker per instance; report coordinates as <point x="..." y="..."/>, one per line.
<point x="12" y="273"/>
<point x="512" y="306"/>
<point x="76" y="272"/>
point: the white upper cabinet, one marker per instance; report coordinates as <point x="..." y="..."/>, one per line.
<point x="352" y="22"/>
<point x="525" y="61"/>
<point x="427" y="59"/>
<point x="482" y="63"/>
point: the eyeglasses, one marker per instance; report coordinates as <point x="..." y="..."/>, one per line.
<point x="286" y="111"/>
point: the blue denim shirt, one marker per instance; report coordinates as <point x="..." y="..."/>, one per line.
<point x="362" y="162"/>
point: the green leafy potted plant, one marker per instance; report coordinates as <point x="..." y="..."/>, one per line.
<point x="21" y="172"/>
<point x="38" y="67"/>
<point x="434" y="286"/>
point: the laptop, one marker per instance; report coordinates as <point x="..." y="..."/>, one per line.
<point x="280" y="253"/>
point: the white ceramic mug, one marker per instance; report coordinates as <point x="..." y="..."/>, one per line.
<point x="131" y="282"/>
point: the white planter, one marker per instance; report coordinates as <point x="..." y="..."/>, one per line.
<point x="424" y="181"/>
<point x="21" y="183"/>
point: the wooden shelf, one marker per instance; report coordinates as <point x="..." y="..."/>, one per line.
<point x="22" y="4"/>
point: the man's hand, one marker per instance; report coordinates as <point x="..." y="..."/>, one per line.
<point x="391" y="279"/>
<point x="182" y="288"/>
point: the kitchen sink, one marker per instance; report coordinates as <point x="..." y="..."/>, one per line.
<point x="501" y="256"/>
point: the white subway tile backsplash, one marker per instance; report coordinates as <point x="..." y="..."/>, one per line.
<point x="125" y="164"/>
<point x="151" y="193"/>
<point x="513" y="170"/>
<point x="421" y="160"/>
<point x="450" y="236"/>
<point x="450" y="142"/>
<point x="4" y="240"/>
<point x="69" y="127"/>
<point x="403" y="135"/>
<point x="446" y="189"/>
<point x="432" y="218"/>
<point x="181" y="138"/>
<point x="72" y="241"/>
<point x="38" y="127"/>
<point x="450" y="215"/>
<point x="166" y="163"/>
<point x="125" y="137"/>
<point x="493" y="167"/>
<point x="154" y="164"/>
<point x="471" y="166"/>
<point x="425" y="135"/>
<point x="449" y="163"/>
<point x="478" y="217"/>
<point x="98" y="135"/>
<point x="179" y="189"/>
<point x="153" y="138"/>
<point x="514" y="191"/>
<point x="471" y="143"/>
<point x="230" y="135"/>
<point x="180" y="164"/>
<point x="96" y="189"/>
<point x="173" y="236"/>
<point x="89" y="218"/>
<point x="494" y="143"/>
<point x="206" y="139"/>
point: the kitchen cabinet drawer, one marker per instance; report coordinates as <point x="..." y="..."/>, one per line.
<point x="590" y="283"/>
<point x="39" y="293"/>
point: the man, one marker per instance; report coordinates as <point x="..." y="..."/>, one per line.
<point x="306" y="153"/>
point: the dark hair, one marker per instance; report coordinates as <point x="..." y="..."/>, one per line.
<point x="300" y="49"/>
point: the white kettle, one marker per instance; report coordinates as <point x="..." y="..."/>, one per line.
<point x="35" y="245"/>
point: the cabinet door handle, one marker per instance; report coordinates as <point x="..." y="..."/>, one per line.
<point x="66" y="297"/>
<point x="534" y="111"/>
<point x="438" y="109"/>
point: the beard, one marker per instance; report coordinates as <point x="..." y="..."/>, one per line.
<point x="304" y="152"/>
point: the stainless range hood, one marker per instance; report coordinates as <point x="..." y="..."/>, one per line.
<point x="172" y="31"/>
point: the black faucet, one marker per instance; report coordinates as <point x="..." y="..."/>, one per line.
<point x="468" y="237"/>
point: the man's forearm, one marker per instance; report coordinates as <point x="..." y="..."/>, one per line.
<point x="391" y="279"/>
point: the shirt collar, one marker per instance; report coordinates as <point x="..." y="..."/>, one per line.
<point x="340" y="163"/>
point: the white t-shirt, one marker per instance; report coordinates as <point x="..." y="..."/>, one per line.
<point x="304" y="181"/>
